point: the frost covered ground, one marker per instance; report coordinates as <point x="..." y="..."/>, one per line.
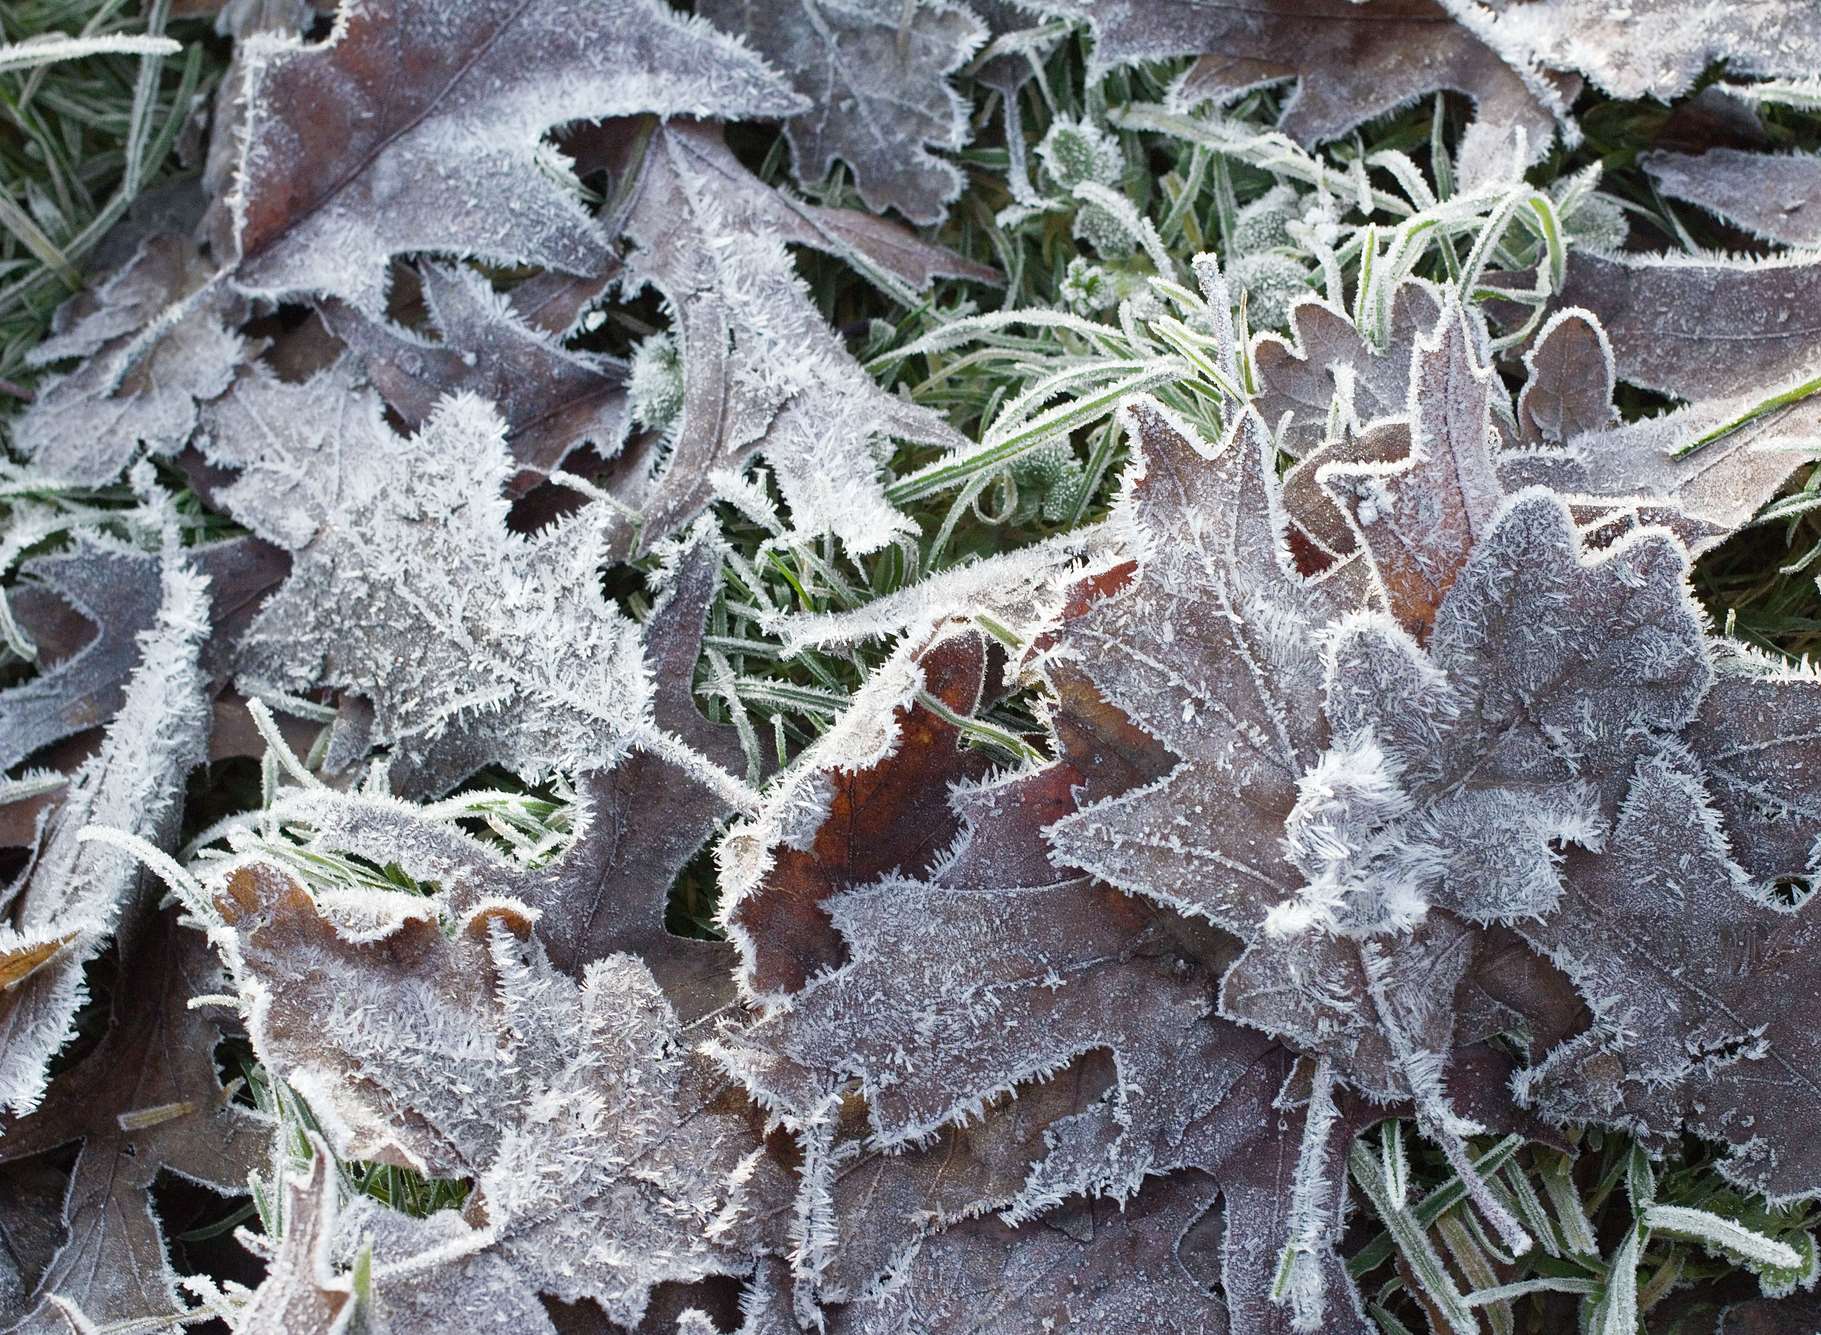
<point x="910" y="666"/>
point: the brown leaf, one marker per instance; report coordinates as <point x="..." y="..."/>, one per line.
<point x="1771" y="195"/>
<point x="1569" y="389"/>
<point x="1351" y="63"/>
<point x="404" y="94"/>
<point x="1697" y="326"/>
<point x="553" y="400"/>
<point x="893" y="815"/>
<point x="146" y="1100"/>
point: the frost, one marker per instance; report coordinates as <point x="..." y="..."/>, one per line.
<point x="449" y="160"/>
<point x="1571" y="374"/>
<point x="711" y="238"/>
<point x="553" y="399"/>
<point x="157" y="337"/>
<point x="66" y="905"/>
<point x="985" y="993"/>
<point x="1351" y="62"/>
<point x="411" y="1044"/>
<point x="1773" y="196"/>
<point x="874" y="74"/>
<point x="1693" y="1046"/>
<point x="1326" y="359"/>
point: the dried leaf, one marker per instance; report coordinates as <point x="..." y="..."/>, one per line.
<point x="157" y="337"/>
<point x="1569" y="389"/>
<point x="448" y="160"/>
<point x="874" y="73"/>
<point x="113" y="592"/>
<point x="74" y="892"/>
<point x="146" y="1100"/>
<point x="1094" y="1267"/>
<point x="1770" y="195"/>
<point x="1710" y="465"/>
<point x="1352" y="62"/>
<point x="553" y="399"/>
<point x="1327" y="368"/>
<point x="302" y="1294"/>
<point x="1700" y="326"/>
<point x="477" y="603"/>
<point x="785" y="387"/>
<point x="619" y="1165"/>
<point x="1649" y="48"/>
<point x="1419" y="518"/>
<point x="1690" y="1043"/>
<point x="884" y="811"/>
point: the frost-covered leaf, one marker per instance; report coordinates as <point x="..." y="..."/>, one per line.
<point x="1757" y="743"/>
<point x="639" y="823"/>
<point x="1347" y="803"/>
<point x="64" y="906"/>
<point x="985" y="994"/>
<point x="147" y="1099"/>
<point x="1713" y="464"/>
<point x="302" y="1294"/>
<point x="1699" y="326"/>
<point x="1771" y="195"/>
<point x="1682" y="960"/>
<point x="1649" y="48"/>
<point x="419" y="525"/>
<point x="874" y="73"/>
<point x="156" y="337"/>
<point x="1420" y="517"/>
<point x="762" y="372"/>
<point x="553" y="399"/>
<point x="605" y="1157"/>
<point x="881" y="811"/>
<point x="1569" y="388"/>
<point x="1326" y="369"/>
<point x="1351" y="61"/>
<point x="1093" y="1266"/>
<point x="344" y="164"/>
<point x="111" y="593"/>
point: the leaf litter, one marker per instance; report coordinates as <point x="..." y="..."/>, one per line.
<point x="1268" y="745"/>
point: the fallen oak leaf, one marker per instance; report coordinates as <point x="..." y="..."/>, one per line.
<point x="552" y="399"/>
<point x="302" y="1294"/>
<point x="1770" y="195"/>
<point x="157" y="337"/>
<point x="638" y="824"/>
<point x="1096" y="1267"/>
<point x="319" y="205"/>
<point x="1664" y="932"/>
<point x="368" y="1008"/>
<point x="1351" y="62"/>
<point x="762" y="372"/>
<point x="75" y="890"/>
<point x="1700" y="326"/>
<point x="1417" y="519"/>
<point x="882" y="808"/>
<point x="323" y="476"/>
<point x="1708" y="467"/>
<point x="1571" y="377"/>
<point x="1648" y="48"/>
<point x="145" y="1101"/>
<point x="958" y="998"/>
<point x="874" y="73"/>
<point x="85" y="608"/>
